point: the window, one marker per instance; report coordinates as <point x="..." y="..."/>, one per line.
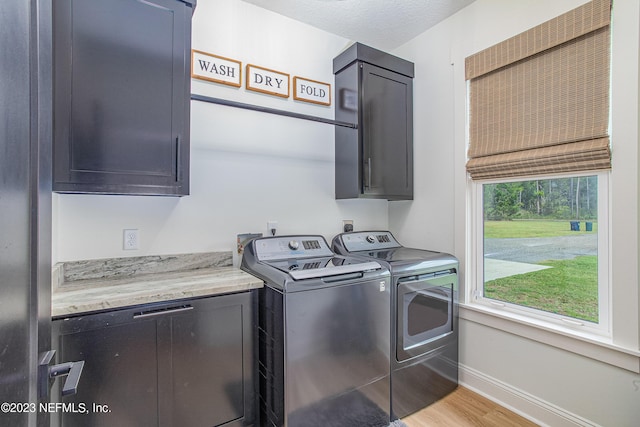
<point x="539" y="160"/>
<point x="543" y="251"/>
<point x="614" y="339"/>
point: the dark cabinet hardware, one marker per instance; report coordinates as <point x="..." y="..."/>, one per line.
<point x="178" y="159"/>
<point x="162" y="311"/>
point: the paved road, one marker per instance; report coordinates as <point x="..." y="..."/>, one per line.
<point x="534" y="250"/>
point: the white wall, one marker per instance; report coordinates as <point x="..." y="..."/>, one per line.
<point x="554" y="386"/>
<point x="246" y="167"/>
<point x="249" y="167"/>
<point x="428" y="220"/>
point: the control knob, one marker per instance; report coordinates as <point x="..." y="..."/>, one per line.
<point x="293" y="245"/>
<point x="371" y="238"/>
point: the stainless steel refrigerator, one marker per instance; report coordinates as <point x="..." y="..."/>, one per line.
<point x="25" y="212"/>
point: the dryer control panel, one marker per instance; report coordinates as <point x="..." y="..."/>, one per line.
<point x="368" y="241"/>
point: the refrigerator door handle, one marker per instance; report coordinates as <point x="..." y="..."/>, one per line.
<point x="73" y="371"/>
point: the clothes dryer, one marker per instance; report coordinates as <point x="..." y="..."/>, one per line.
<point x="424" y="317"/>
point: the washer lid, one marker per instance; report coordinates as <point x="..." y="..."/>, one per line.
<point x="312" y="268"/>
<point x="335" y="270"/>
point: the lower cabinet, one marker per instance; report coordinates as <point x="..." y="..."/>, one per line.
<point x="186" y="363"/>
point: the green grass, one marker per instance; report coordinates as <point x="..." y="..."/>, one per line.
<point x="570" y="288"/>
<point x="532" y="228"/>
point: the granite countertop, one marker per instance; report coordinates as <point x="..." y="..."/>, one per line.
<point x="88" y="291"/>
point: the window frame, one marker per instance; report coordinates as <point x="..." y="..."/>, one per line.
<point x="622" y="350"/>
<point x="537" y="317"/>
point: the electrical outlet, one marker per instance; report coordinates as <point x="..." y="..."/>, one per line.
<point x="130" y="239"/>
<point x="347" y="225"/>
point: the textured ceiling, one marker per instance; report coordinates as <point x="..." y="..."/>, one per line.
<point x="385" y="24"/>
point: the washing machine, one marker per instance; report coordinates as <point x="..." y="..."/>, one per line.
<point x="323" y="332"/>
<point x="424" y="317"/>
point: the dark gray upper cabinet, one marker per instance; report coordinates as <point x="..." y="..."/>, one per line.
<point x="121" y="96"/>
<point x="374" y="90"/>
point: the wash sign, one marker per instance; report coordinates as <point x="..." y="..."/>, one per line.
<point x="206" y="66"/>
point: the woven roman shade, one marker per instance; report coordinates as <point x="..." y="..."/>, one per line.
<point x="539" y="101"/>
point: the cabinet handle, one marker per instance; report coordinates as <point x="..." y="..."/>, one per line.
<point x="162" y="311"/>
<point x="178" y="159"/>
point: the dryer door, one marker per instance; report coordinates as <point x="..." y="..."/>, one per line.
<point x="425" y="313"/>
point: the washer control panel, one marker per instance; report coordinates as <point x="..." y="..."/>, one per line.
<point x="368" y="241"/>
<point x="291" y="247"/>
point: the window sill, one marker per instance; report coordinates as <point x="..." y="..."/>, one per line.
<point x="586" y="345"/>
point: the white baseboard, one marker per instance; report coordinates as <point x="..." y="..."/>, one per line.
<point x="518" y="401"/>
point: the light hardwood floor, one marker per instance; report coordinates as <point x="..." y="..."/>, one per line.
<point x="464" y="408"/>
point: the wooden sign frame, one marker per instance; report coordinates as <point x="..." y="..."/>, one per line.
<point x="219" y="70"/>
<point x="265" y="80"/>
<point x="311" y="91"/>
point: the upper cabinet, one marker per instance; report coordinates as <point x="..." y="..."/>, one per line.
<point x="374" y="90"/>
<point x="121" y="96"/>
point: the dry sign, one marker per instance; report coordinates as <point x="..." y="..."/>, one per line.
<point x="206" y="66"/>
<point x="311" y="91"/>
<point x="267" y="81"/>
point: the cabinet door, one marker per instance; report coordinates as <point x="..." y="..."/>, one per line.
<point x="187" y="363"/>
<point x="387" y="133"/>
<point x="121" y="87"/>
<point x="208" y="352"/>
<point x="120" y="373"/>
